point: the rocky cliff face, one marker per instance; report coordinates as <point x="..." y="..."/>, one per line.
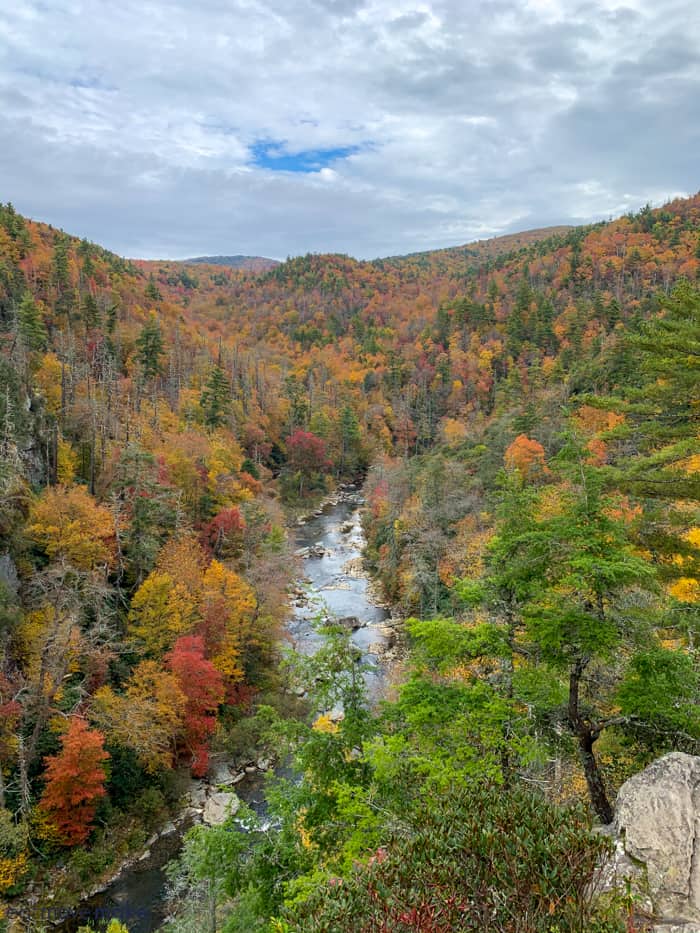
<point x="657" y="825"/>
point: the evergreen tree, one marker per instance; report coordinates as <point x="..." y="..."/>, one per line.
<point x="149" y="345"/>
<point x="91" y="312"/>
<point x="662" y="407"/>
<point x="516" y="326"/>
<point x="30" y="324"/>
<point x="152" y="292"/>
<point x="350" y="439"/>
<point x="216" y="399"/>
<point x="614" y="315"/>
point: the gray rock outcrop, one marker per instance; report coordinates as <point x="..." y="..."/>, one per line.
<point x="657" y="825"/>
<point x="219" y="807"/>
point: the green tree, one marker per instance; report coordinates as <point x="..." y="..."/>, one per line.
<point x="152" y="291"/>
<point x="91" y="311"/>
<point x="350" y="440"/>
<point x="149" y="345"/>
<point x="582" y="615"/>
<point x="30" y="324"/>
<point x="215" y="401"/>
<point x="662" y="404"/>
<point x="653" y="449"/>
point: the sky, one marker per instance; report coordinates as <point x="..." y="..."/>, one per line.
<point x="174" y="128"/>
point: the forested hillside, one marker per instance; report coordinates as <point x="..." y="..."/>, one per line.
<point x="525" y="413"/>
<point x="248" y="263"/>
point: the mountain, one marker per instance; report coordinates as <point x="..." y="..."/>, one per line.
<point x="247" y="263"/>
<point x="480" y="250"/>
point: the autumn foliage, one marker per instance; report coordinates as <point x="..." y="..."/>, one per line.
<point x="526" y="456"/>
<point x="75" y="782"/>
<point x="203" y="689"/>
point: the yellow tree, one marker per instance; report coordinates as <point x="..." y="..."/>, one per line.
<point x="160" y="612"/>
<point x="146" y="718"/>
<point x="70" y="526"/>
<point x="228" y="610"/>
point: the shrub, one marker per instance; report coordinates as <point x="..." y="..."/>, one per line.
<point x="478" y="859"/>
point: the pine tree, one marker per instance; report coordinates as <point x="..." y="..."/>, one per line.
<point x="152" y="292"/>
<point x="662" y="410"/>
<point x="350" y="439"/>
<point x="91" y="312"/>
<point x="614" y="315"/>
<point x="30" y="324"/>
<point x="149" y="344"/>
<point x="216" y="399"/>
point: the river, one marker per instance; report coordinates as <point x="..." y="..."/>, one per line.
<point x="330" y="545"/>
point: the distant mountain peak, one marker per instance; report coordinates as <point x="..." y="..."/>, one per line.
<point x="247" y="263"/>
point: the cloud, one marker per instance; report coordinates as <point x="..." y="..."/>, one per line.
<point x="364" y="126"/>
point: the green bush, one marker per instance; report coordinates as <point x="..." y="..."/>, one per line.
<point x="478" y="859"/>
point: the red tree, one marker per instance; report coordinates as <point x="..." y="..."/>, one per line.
<point x="306" y="454"/>
<point x="223" y="535"/>
<point x="203" y="688"/>
<point x="75" y="782"/>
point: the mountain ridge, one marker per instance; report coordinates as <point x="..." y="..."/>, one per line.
<point x="238" y="261"/>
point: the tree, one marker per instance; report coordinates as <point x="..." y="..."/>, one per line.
<point x="306" y="455"/>
<point x="91" y="312"/>
<point x="223" y="535"/>
<point x="161" y="611"/>
<point x="216" y="399"/>
<point x="30" y="324"/>
<point x="150" y="349"/>
<point x="69" y="525"/>
<point x="75" y="780"/>
<point x="585" y="611"/>
<point x="527" y="456"/>
<point x="228" y="609"/>
<point x="661" y="406"/>
<point x="146" y="510"/>
<point x="152" y="292"/>
<point x="203" y="688"/>
<point x="654" y="451"/>
<point x="575" y="604"/>
<point x="146" y="718"/>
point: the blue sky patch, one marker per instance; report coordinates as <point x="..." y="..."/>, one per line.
<point x="272" y="156"/>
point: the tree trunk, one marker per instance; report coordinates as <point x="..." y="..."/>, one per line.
<point x="586" y="738"/>
<point x="594" y="779"/>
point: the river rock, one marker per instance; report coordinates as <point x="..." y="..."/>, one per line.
<point x="197" y="794"/>
<point x="353" y="568"/>
<point x="657" y="828"/>
<point x="219" y="807"/>
<point x="220" y="774"/>
<point x="351" y="622"/>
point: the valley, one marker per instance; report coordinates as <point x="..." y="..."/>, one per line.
<point x="505" y="437"/>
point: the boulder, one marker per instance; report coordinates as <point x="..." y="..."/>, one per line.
<point x="351" y="622"/>
<point x="197" y="794"/>
<point x="219" y="807"/>
<point x="220" y="774"/>
<point x="657" y="825"/>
